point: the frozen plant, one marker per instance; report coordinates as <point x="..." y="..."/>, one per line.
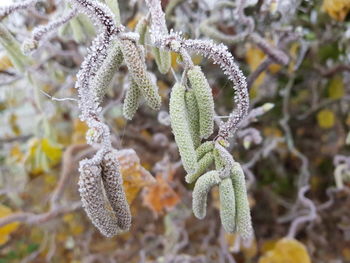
<point x="191" y="110"/>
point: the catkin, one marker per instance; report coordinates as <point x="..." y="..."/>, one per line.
<point x="219" y="164"/>
<point x="205" y="101"/>
<point x="193" y="116"/>
<point x="203" y="165"/>
<point x="243" y="218"/>
<point x="113" y="184"/>
<point x="131" y="101"/>
<point x="201" y="190"/>
<point x="141" y="29"/>
<point x="181" y="129"/>
<point x="163" y="59"/>
<point x="93" y="200"/>
<point x="102" y="81"/>
<point x="227" y="205"/>
<point x="138" y="72"/>
<point x="204" y="148"/>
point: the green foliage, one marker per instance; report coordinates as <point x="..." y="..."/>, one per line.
<point x="12" y="47"/>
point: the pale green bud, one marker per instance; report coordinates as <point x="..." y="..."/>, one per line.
<point x="268" y="106"/>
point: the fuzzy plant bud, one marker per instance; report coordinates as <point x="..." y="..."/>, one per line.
<point x="203" y="164"/>
<point x="131" y="101"/>
<point x="204" y="148"/>
<point x="200" y="192"/>
<point x="102" y="81"/>
<point x="268" y="106"/>
<point x="138" y="72"/>
<point x="193" y="116"/>
<point x="181" y="128"/>
<point x="227" y="205"/>
<point x="243" y="218"/>
<point x="205" y="101"/>
<point x="113" y="185"/>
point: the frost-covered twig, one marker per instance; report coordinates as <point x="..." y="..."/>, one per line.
<point x="6" y="10"/>
<point x="218" y="53"/>
<point x="302" y="219"/>
<point x="41" y="31"/>
<point x="36" y="219"/>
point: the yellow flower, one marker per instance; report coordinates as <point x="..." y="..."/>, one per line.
<point x="337" y="9"/>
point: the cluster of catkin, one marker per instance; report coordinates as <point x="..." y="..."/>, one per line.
<point x="191" y="111"/>
<point x="192" y="119"/>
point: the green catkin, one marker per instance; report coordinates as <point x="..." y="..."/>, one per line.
<point x="193" y="116"/>
<point x="218" y="160"/>
<point x="243" y="218"/>
<point x="201" y="190"/>
<point x="104" y="75"/>
<point x="138" y="72"/>
<point x="181" y="129"/>
<point x="205" y="101"/>
<point x="141" y="29"/>
<point x="163" y="59"/>
<point x="204" y="148"/>
<point x="227" y="205"/>
<point x="203" y="164"/>
<point x="131" y="101"/>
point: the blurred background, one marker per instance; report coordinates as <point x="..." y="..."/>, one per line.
<point x="295" y="155"/>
